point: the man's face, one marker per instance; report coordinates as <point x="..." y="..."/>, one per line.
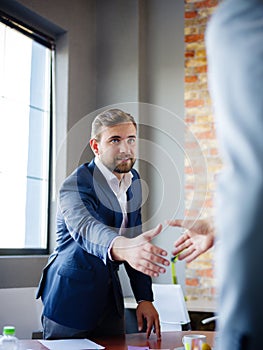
<point x="117" y="148"/>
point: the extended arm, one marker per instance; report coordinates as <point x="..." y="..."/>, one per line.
<point x="78" y="204"/>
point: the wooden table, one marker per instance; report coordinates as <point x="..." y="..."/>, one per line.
<point x="170" y="340"/>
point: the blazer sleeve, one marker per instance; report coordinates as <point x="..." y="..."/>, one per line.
<point x="141" y="284"/>
<point x="79" y="210"/>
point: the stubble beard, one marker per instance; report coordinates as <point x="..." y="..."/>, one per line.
<point x="125" y="167"/>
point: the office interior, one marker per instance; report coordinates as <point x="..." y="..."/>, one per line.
<point x="111" y="53"/>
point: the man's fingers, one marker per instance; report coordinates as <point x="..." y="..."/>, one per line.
<point x="148" y="330"/>
<point x="192" y="256"/>
<point x="187" y="224"/>
<point x="152" y="264"/>
<point x="176" y="223"/>
<point x="140" y="322"/>
<point x="180" y="246"/>
<point x="157" y="329"/>
<point x="153" y="258"/>
<point x="149" y="235"/>
<point x="181" y="240"/>
<point x="152" y="233"/>
<point x="151" y="269"/>
<point x="186" y="253"/>
<point x="150" y="325"/>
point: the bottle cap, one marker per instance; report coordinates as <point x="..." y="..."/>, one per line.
<point x="9" y="330"/>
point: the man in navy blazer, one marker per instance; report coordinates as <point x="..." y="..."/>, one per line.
<point x="98" y="228"/>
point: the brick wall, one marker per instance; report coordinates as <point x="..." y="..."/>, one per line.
<point x="200" y="280"/>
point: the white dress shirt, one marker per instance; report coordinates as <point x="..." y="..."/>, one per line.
<point x="119" y="188"/>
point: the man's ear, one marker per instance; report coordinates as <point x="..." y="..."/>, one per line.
<point x="94" y="145"/>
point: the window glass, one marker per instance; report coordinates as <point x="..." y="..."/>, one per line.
<point x="25" y="81"/>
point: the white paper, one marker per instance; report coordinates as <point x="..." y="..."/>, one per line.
<point x="70" y="344"/>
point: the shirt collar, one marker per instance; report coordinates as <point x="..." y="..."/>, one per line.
<point x="112" y="179"/>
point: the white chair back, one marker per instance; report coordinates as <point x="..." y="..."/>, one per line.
<point x="170" y="303"/>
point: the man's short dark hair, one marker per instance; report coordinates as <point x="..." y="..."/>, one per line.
<point x="110" y="118"/>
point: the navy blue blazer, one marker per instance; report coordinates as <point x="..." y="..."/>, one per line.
<point x="74" y="283"/>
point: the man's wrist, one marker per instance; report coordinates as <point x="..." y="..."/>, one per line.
<point x="117" y="248"/>
<point x="110" y="248"/>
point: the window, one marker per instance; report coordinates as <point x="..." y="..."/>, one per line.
<point x="25" y="138"/>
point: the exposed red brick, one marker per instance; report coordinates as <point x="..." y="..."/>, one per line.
<point x="194" y="103"/>
<point x="193" y="38"/>
<point x="189" y="170"/>
<point x="189" y="54"/>
<point x="198" y="117"/>
<point x="206" y="3"/>
<point x="205" y="273"/>
<point x="209" y="203"/>
<point x="190" y="14"/>
<point x="190" y="145"/>
<point x="191" y="79"/>
<point x="213" y="291"/>
<point x="189" y="187"/>
<point x="201" y="53"/>
<point x="205" y="135"/>
<point x="200" y="69"/>
<point x="192" y="282"/>
<point x="189" y="120"/>
<point x="214" y="151"/>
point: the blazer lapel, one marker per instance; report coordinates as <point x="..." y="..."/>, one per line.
<point x="134" y="197"/>
<point x="105" y="194"/>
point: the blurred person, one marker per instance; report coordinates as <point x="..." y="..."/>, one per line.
<point x="234" y="41"/>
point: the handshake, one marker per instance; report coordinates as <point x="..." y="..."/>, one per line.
<point x="150" y="259"/>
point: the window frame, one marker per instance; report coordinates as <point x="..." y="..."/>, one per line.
<point x="48" y="42"/>
<point x="27" y="30"/>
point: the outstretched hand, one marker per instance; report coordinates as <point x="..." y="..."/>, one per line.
<point x="197" y="239"/>
<point x="140" y="253"/>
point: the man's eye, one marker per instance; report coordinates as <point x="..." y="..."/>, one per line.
<point x="131" y="140"/>
<point x="115" y="141"/>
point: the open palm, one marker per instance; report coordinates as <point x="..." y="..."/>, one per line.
<point x="197" y="239"/>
